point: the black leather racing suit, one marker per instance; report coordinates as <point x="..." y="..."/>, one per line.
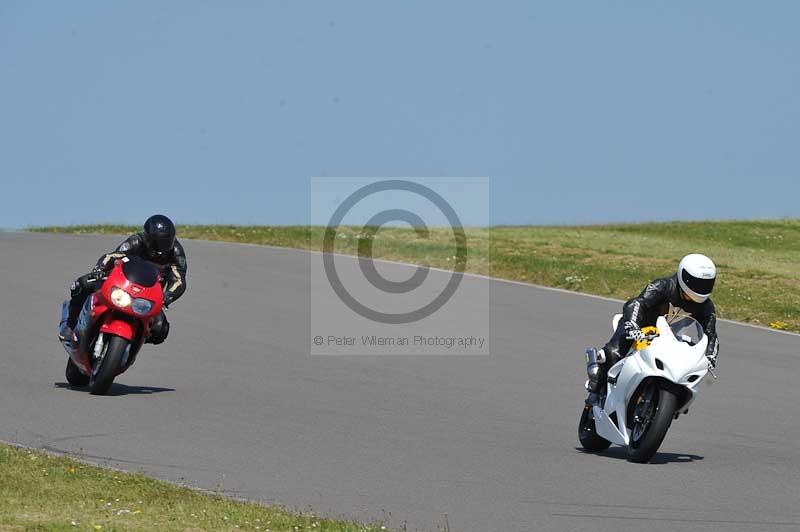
<point x="172" y="266"/>
<point x="656" y="300"/>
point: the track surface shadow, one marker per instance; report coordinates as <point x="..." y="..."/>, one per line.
<point x="118" y="389"/>
<point x="619" y="453"/>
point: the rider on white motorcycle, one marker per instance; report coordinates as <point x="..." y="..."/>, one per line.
<point x="688" y="290"/>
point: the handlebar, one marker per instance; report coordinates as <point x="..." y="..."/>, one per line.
<point x="648" y="334"/>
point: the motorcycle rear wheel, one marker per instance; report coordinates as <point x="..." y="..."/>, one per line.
<point x="110" y="364"/>
<point x="590" y="440"/>
<point x="655" y="418"/>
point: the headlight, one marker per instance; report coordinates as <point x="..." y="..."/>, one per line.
<point x="141" y="306"/>
<point x="120" y="297"/>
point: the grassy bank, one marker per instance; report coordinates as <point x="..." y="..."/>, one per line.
<point x="757" y="260"/>
<point x="43" y="492"/>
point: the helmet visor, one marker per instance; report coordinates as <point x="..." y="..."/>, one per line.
<point x="698" y="285"/>
<point x="161" y="243"/>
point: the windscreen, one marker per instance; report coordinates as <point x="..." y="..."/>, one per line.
<point x="686" y="329"/>
<point x="140" y="271"/>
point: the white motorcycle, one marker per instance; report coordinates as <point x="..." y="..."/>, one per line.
<point x="646" y="390"/>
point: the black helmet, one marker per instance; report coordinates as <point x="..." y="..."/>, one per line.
<point x="159" y="234"/>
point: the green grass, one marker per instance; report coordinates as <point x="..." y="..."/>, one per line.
<point x="757" y="260"/>
<point x="44" y="492"/>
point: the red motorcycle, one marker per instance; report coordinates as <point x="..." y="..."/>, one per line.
<point x="113" y="324"/>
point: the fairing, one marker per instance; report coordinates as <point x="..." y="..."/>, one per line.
<point x="679" y="361"/>
<point x="99" y="315"/>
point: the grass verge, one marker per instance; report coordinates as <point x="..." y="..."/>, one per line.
<point x="39" y="491"/>
<point x="757" y="260"/>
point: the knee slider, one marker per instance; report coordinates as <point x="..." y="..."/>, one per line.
<point x="159" y="331"/>
<point x="594" y="356"/>
<point x="593" y="372"/>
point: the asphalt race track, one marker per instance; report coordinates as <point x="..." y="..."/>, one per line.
<point x="234" y="400"/>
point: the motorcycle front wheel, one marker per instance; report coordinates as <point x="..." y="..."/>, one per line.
<point x="652" y="415"/>
<point x="110" y="364"/>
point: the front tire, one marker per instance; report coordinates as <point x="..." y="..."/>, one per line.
<point x="587" y="434"/>
<point x="110" y="364"/>
<point x="654" y="420"/>
<point x="74" y="375"/>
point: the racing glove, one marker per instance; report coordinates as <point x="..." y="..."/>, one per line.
<point x="98" y="273"/>
<point x="633" y="332"/>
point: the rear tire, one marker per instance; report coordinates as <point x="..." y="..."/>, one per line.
<point x="110" y="365"/>
<point x="647" y="445"/>
<point x="74" y="375"/>
<point x="587" y="434"/>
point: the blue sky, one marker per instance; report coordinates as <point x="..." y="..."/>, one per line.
<point x="223" y="111"/>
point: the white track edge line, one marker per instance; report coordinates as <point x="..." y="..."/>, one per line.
<point x="481" y="276"/>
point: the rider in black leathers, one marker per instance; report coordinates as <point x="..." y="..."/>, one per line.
<point x="657" y="299"/>
<point x="156" y="243"/>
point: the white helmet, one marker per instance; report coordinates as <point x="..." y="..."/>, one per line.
<point x="696" y="275"/>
